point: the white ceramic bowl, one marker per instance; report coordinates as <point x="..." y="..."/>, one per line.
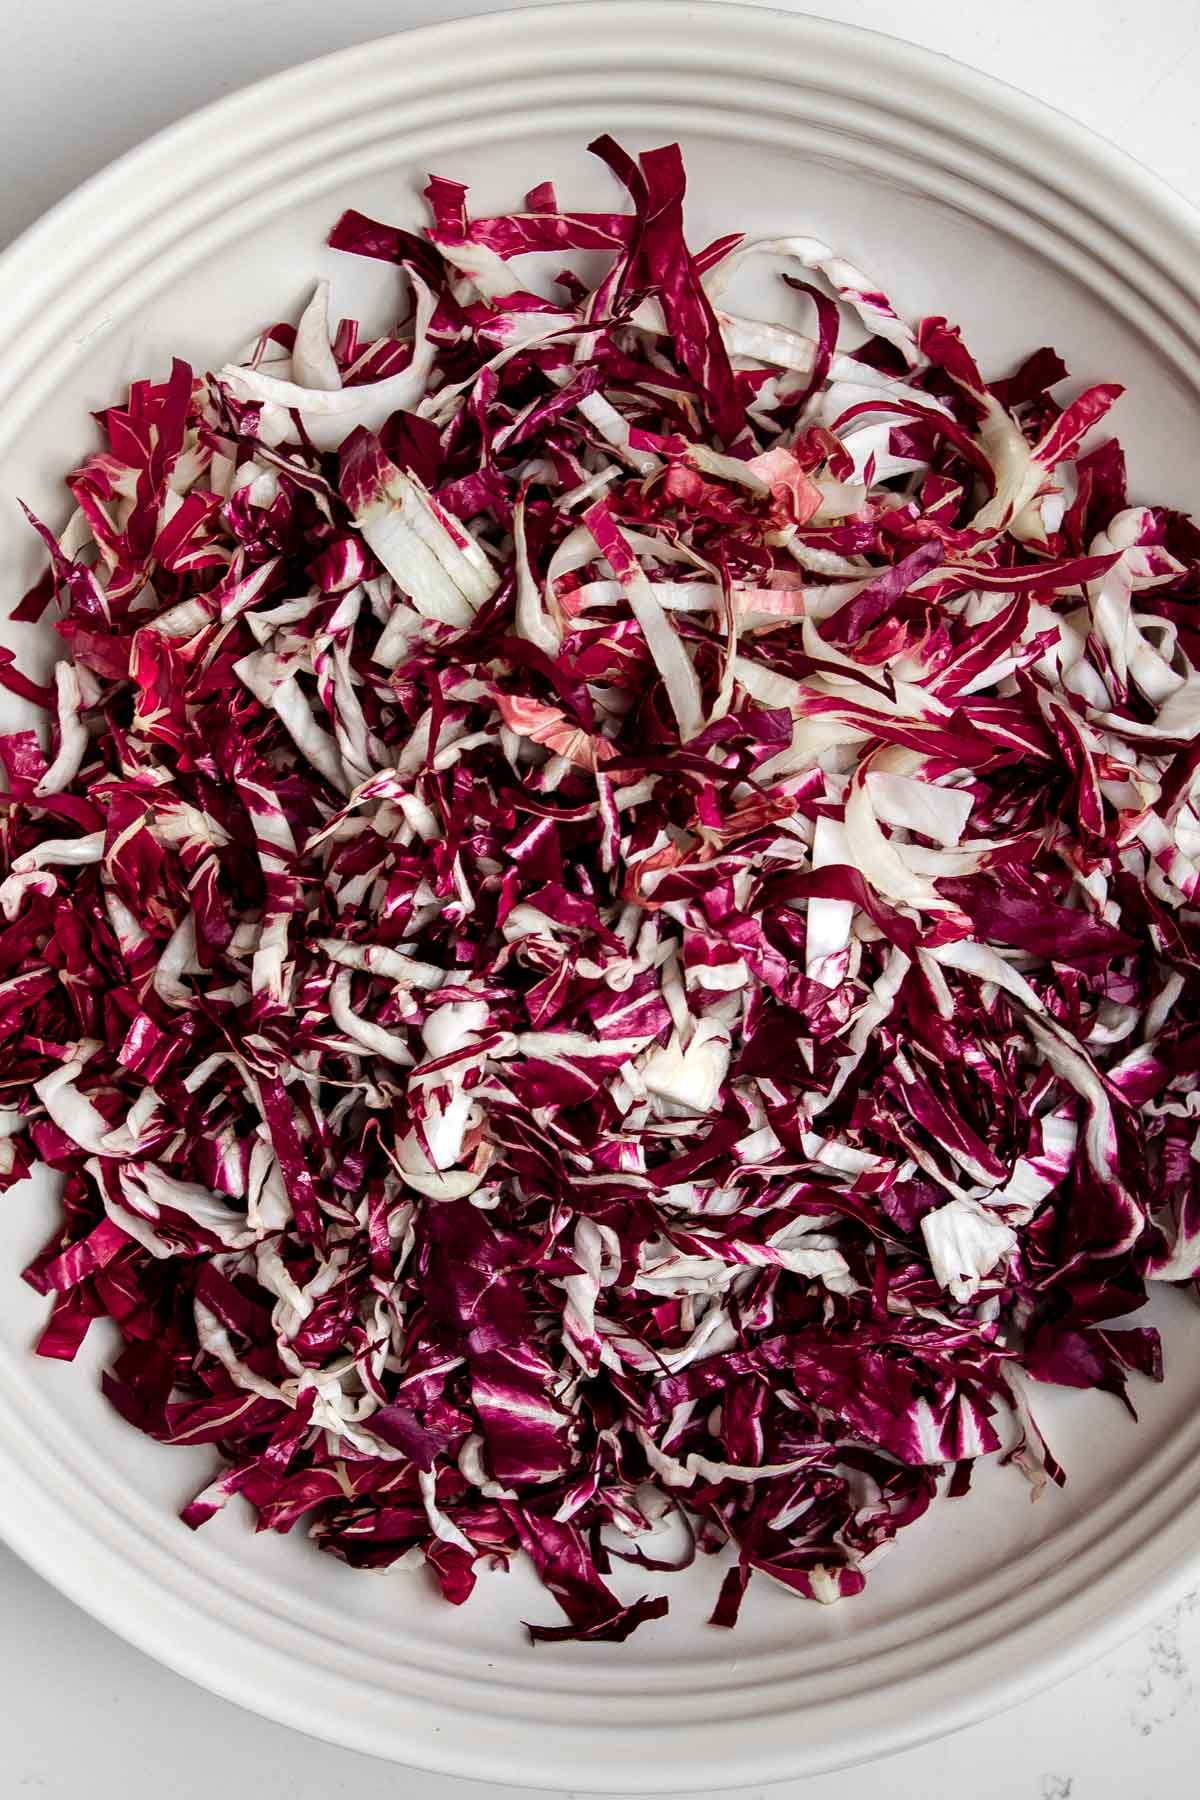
<point x="964" y="197"/>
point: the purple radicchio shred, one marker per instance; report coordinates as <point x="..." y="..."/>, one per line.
<point x="602" y="933"/>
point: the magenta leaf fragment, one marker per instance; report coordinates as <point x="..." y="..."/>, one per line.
<point x="599" y="919"/>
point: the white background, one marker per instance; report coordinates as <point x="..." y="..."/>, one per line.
<point x="82" y="1713"/>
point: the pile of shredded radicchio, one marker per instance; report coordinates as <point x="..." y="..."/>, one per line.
<point x="604" y="944"/>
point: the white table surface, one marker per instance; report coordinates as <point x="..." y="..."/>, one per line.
<point x="83" y="1714"/>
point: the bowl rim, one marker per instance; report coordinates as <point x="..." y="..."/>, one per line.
<point x="132" y="1588"/>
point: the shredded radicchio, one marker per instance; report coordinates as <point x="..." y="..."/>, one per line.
<point x="605" y="942"/>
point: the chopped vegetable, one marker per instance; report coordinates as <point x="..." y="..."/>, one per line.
<point x="602" y="931"/>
